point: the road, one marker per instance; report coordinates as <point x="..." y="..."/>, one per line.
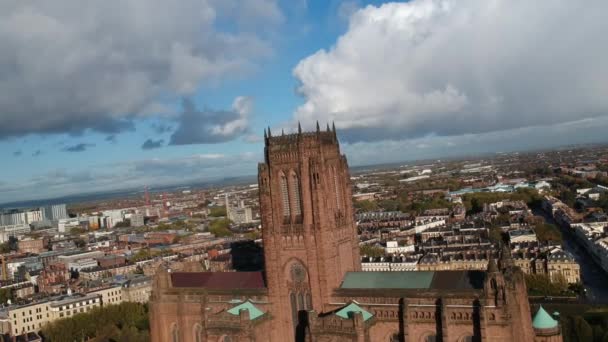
<point x="594" y="279"/>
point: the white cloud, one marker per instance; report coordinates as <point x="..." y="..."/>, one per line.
<point x="450" y="67"/>
<point x="66" y="67"/>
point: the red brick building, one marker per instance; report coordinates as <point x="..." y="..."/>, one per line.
<point x="35" y="246"/>
<point x="313" y="289"/>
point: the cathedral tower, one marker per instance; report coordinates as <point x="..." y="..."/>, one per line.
<point x="310" y="238"/>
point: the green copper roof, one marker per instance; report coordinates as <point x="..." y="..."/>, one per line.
<point x="542" y="320"/>
<point x="387" y="280"/>
<point x="352" y="307"/>
<point x="254" y="312"/>
<point x="440" y="280"/>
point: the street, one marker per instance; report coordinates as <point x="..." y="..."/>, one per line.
<point x="594" y="279"/>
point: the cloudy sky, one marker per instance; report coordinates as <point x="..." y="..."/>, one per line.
<point x="124" y="94"/>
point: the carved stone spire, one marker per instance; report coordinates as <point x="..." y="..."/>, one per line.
<point x="299" y="128"/>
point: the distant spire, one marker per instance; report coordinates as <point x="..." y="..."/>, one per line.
<point x="328" y="127"/>
<point x="282" y="131"/>
<point x="269" y="133"/>
<point x="265" y="135"/>
<point x="333" y="126"/>
<point x="299" y="128"/>
<point x="318" y="128"/>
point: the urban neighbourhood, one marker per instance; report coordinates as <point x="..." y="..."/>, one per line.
<point x="547" y="210"/>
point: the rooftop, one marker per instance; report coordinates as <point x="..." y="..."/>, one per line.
<point x="254" y="312"/>
<point x="542" y="320"/>
<point x="219" y="280"/>
<point x="346" y="311"/>
<point x="437" y="280"/>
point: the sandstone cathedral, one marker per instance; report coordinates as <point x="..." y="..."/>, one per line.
<point x="313" y="289"/>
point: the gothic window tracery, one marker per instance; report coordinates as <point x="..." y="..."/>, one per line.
<point x="337" y="189"/>
<point x="297" y="199"/>
<point x="198" y="331"/>
<point x="285" y="195"/>
<point x="174" y="333"/>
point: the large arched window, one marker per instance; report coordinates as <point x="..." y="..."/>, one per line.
<point x="174" y="333"/>
<point x="296" y="199"/>
<point x="198" y="333"/>
<point x="337" y="189"/>
<point x="285" y="195"/>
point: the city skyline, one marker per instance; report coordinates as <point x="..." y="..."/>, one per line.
<point x="439" y="80"/>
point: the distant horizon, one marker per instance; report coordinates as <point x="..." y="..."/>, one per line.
<point x="240" y="179"/>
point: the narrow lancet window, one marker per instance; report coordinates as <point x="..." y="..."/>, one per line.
<point x="297" y="201"/>
<point x="285" y="196"/>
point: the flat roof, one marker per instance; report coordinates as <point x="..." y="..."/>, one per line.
<point x="438" y="280"/>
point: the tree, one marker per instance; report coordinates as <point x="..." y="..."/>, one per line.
<point x="13" y="243"/>
<point x="217" y="212"/>
<point x="371" y="251"/>
<point x="77" y="231"/>
<point x="366" y="205"/>
<point x="496" y="235"/>
<point x="389" y="205"/>
<point x="122" y="322"/>
<point x="220" y="227"/>
<point x="5" y="248"/>
<point x="541" y="285"/>
<point x="5" y="295"/>
<point x="80" y="243"/>
<point x="547" y="232"/>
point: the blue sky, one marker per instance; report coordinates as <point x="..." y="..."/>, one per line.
<point x="161" y="93"/>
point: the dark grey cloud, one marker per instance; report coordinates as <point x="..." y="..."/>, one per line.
<point x="161" y="128"/>
<point x="65" y="70"/>
<point x="80" y="147"/>
<point x="17" y="153"/>
<point x="212" y="126"/>
<point x="150" y="144"/>
<point x="412" y="69"/>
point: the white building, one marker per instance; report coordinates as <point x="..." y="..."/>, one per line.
<point x="54" y="212"/>
<point x="392" y="247"/>
<point x="81" y="264"/>
<point x="13" y="230"/>
<point x="64" y="225"/>
<point x="22" y="319"/>
<point x="522" y="235"/>
<point x="32" y="216"/>
<point x="426" y="224"/>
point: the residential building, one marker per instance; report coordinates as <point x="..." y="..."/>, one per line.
<point x="54" y="212"/>
<point x="137" y="289"/>
<point x="35" y="246"/>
